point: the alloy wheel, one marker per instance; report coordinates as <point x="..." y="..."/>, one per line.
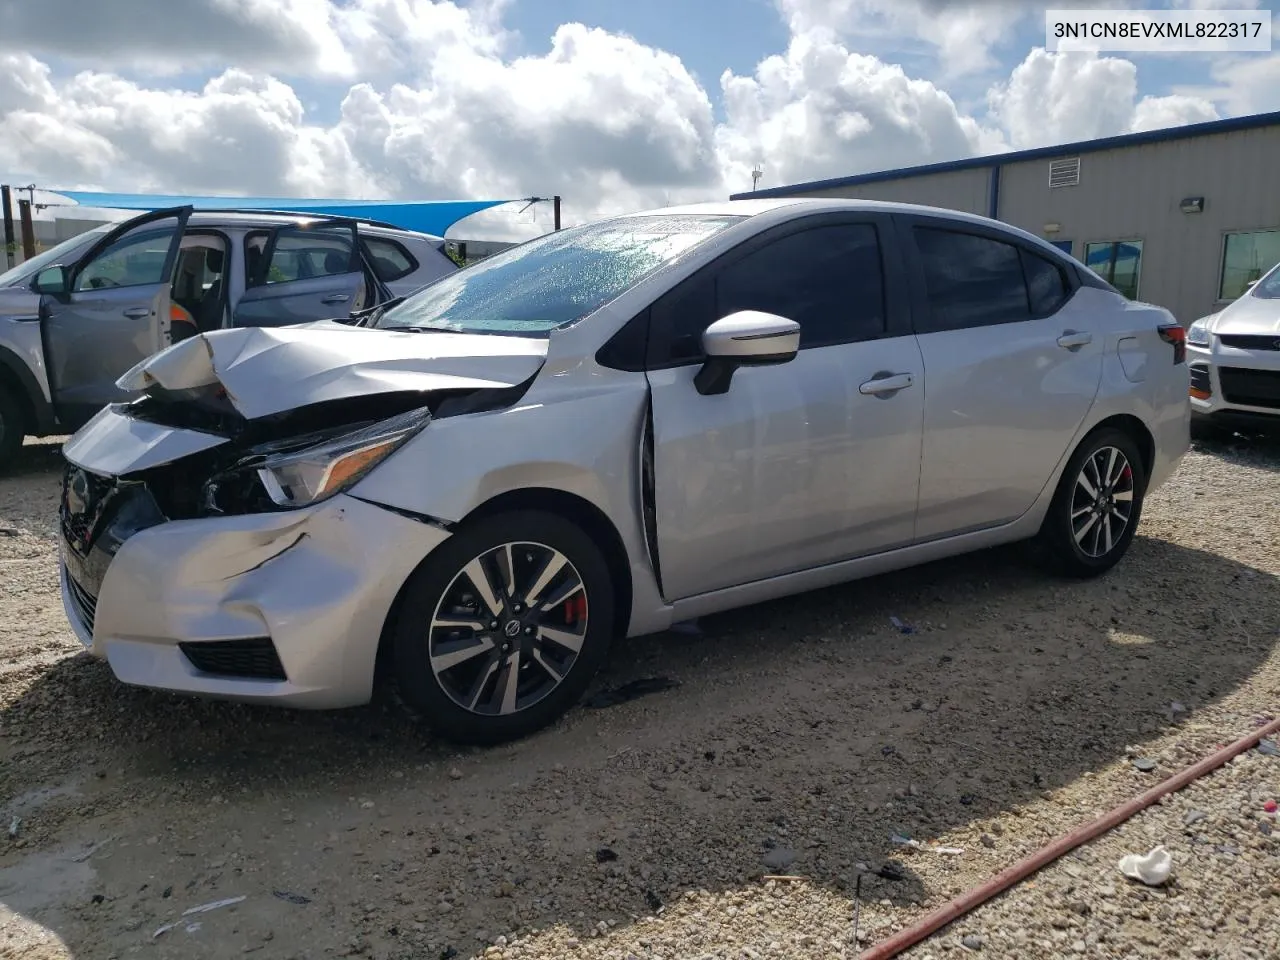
<point x="508" y="628"/>
<point x="1102" y="502"/>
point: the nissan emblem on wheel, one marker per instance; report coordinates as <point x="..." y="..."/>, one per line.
<point x="470" y="494"/>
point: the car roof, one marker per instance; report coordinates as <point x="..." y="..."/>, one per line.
<point x="275" y="218"/>
<point x="803" y="206"/>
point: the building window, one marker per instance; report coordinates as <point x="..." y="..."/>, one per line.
<point x="1245" y="258"/>
<point x="1063" y="245"/>
<point x="1119" y="262"/>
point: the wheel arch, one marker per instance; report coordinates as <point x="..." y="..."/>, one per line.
<point x="1136" y="430"/>
<point x="571" y="507"/>
<point x="18" y="381"/>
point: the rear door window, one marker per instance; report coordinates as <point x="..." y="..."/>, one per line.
<point x="970" y="280"/>
<point x="301" y="255"/>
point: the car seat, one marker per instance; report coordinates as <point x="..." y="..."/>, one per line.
<point x="337" y="262"/>
<point x="208" y="314"/>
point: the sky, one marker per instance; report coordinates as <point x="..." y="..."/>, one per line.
<point x="614" y="106"/>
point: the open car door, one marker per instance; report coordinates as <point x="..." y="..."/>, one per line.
<point x="305" y="272"/>
<point x="107" y="311"/>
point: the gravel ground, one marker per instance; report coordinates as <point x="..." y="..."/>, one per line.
<point x="802" y="736"/>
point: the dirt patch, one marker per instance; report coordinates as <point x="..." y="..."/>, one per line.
<point x="802" y="736"/>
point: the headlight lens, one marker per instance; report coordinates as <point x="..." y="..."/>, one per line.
<point x="302" y="477"/>
<point x="1198" y="333"/>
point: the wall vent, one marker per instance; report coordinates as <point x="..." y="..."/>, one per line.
<point x="1064" y="173"/>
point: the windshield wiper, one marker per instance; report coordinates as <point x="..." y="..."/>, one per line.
<point x="371" y="316"/>
<point x="420" y="329"/>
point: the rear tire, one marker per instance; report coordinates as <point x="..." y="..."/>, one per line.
<point x="12" y="429"/>
<point x="1097" y="506"/>
<point x="490" y="662"/>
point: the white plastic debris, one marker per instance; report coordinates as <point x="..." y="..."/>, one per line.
<point x="216" y="905"/>
<point x="203" y="908"/>
<point x="1152" y="868"/>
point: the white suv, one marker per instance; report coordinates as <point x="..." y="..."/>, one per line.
<point x="1234" y="360"/>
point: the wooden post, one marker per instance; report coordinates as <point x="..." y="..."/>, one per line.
<point x="555" y="206"/>
<point x="9" y="249"/>
<point x="28" y="230"/>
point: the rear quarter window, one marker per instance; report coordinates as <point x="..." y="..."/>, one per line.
<point x="389" y="259"/>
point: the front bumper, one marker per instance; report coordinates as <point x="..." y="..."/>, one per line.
<point x="1235" y="387"/>
<point x="286" y="608"/>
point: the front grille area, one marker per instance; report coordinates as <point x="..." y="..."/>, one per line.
<point x="1200" y="378"/>
<point x="1251" y="388"/>
<point x="1242" y="341"/>
<point x="85" y="603"/>
<point x="253" y="659"/>
<point x="85" y="498"/>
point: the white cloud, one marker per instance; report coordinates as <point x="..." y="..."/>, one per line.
<point x="1242" y="84"/>
<point x="436" y="108"/>
<point x="1063" y="97"/>
<point x="819" y="111"/>
<point x="152" y="36"/>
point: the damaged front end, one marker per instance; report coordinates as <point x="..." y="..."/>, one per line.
<point x="212" y="552"/>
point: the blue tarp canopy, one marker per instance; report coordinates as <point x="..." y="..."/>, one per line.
<point x="433" y="216"/>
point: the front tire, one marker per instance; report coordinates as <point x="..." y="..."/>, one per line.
<point x="503" y="627"/>
<point x="11" y="429"/>
<point x="1097" y="506"/>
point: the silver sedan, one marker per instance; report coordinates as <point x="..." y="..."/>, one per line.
<point x="602" y="432"/>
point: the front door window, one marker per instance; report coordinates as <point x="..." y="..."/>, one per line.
<point x="135" y="260"/>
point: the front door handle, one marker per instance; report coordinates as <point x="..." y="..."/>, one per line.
<point x="1073" y="340"/>
<point x="336" y="298"/>
<point x="883" y="383"/>
<point x="137" y="313"/>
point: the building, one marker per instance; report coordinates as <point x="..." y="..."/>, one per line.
<point x="1184" y="217"/>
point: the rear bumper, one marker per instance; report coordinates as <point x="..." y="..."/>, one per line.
<point x="310" y="590"/>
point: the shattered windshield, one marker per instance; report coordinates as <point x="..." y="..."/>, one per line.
<point x="554" y="280"/>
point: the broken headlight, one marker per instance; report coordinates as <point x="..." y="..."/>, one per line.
<point x="312" y="474"/>
<point x="304" y="471"/>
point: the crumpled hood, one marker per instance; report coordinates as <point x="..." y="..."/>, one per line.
<point x="1248" y="315"/>
<point x="269" y="370"/>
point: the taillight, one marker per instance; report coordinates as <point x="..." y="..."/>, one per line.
<point x="1175" y="334"/>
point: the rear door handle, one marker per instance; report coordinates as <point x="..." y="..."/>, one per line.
<point x="1072" y="340"/>
<point x="883" y="383"/>
<point x="137" y="313"/>
<point x="336" y="298"/>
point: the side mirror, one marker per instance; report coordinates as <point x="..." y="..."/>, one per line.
<point x="1250" y="284"/>
<point x="748" y="338"/>
<point x="52" y="279"/>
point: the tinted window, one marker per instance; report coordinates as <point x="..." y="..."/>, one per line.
<point x="827" y="279"/>
<point x="1046" y="284"/>
<point x="556" y="279"/>
<point x="136" y="259"/>
<point x="305" y="253"/>
<point x="971" y="281"/>
<point x="390" y="260"/>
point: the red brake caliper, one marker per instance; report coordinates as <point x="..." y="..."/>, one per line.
<point x="575" y="608"/>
